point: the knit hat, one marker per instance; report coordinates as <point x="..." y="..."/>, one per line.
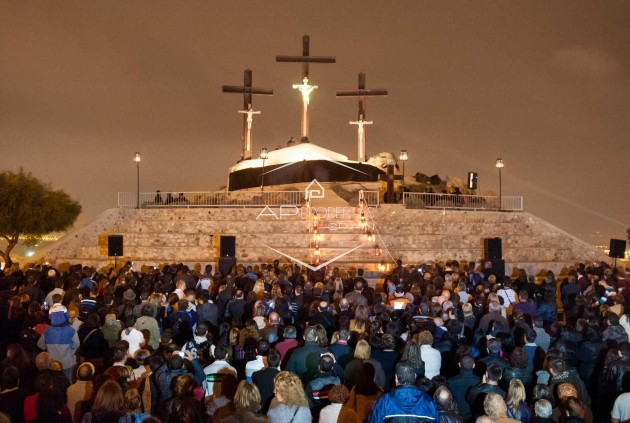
<point x="58" y="314"/>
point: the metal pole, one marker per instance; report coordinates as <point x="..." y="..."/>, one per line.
<point x="262" y="177"/>
<point x="138" y="185"/>
<point x="500" y="191"/>
<point x="403" y="182"/>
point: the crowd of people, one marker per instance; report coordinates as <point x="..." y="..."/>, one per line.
<point x="440" y="342"/>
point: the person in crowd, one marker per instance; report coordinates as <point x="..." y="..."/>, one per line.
<point x="291" y="403"/>
<point x="446" y="319"/>
<point x="387" y="356"/>
<point x="517" y="407"/>
<point x="460" y="385"/>
<point x="495" y="408"/>
<point x="364" y="394"/>
<point x="337" y="411"/>
<point x="134" y="406"/>
<point x="246" y="405"/>
<point x="81" y="390"/>
<point x="12" y="397"/>
<point x="489" y="385"/>
<point x="184" y="405"/>
<point x="430" y="356"/>
<point x="317" y="389"/>
<point x="447" y="406"/>
<point x="109" y="405"/>
<point x="543" y="410"/>
<point x="263" y="379"/>
<point x="305" y="360"/>
<point x="215" y="372"/>
<point x="60" y="339"/>
<point x="362" y="355"/>
<point x="406" y="399"/>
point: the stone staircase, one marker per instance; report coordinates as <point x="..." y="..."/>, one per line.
<point x="155" y="236"/>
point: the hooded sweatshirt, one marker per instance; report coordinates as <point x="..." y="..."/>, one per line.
<point x="404" y="404"/>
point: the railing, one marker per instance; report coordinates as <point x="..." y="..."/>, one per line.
<point x="211" y="199"/>
<point x="461" y="202"/>
<point x="370" y="198"/>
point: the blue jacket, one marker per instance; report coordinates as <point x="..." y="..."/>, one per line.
<point x="164" y="377"/>
<point x="61" y="342"/>
<point x="404" y="404"/>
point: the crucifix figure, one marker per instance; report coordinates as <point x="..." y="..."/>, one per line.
<point x="361" y="95"/>
<point x="305" y="88"/>
<point x="361" y="135"/>
<point x="248" y="91"/>
<point x="248" y="135"/>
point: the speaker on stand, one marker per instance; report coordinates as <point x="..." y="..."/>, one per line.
<point x="492" y="248"/>
<point x="115" y="247"/>
<point x="617" y="249"/>
<point x="227" y="254"/>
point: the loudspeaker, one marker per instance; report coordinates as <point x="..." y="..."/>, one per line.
<point x="492" y="248"/>
<point x="228" y="246"/>
<point x="115" y="245"/>
<point x="472" y="180"/>
<point x="226" y="264"/>
<point x="617" y="248"/>
<point x="498" y="269"/>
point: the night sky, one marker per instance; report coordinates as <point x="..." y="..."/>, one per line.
<point x="545" y="85"/>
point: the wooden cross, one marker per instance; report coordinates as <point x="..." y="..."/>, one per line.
<point x="305" y="88"/>
<point x="248" y="91"/>
<point x="361" y="94"/>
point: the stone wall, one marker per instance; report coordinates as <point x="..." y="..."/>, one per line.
<point x="155" y="236"/>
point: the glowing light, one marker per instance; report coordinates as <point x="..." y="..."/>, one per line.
<point x="305" y="89"/>
<point x="30" y="253"/>
<point x="499" y="164"/>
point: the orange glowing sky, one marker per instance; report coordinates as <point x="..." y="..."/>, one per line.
<point x="545" y="85"/>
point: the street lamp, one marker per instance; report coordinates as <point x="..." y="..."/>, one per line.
<point x="403" y="158"/>
<point x="137" y="158"/>
<point x="499" y="165"/>
<point x="264" y="155"/>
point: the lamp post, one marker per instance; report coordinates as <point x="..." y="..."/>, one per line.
<point x="264" y="155"/>
<point x="137" y="158"/>
<point x="404" y="156"/>
<point x="499" y="165"/>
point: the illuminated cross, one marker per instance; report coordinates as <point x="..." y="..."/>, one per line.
<point x="361" y="135"/>
<point x="361" y="95"/>
<point x="248" y="91"/>
<point x="250" y="119"/>
<point x="305" y="88"/>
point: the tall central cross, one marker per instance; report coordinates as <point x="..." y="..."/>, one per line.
<point x="305" y="88"/>
<point x="361" y="94"/>
<point x="248" y="91"/>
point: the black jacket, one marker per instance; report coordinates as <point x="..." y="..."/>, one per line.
<point x="611" y="380"/>
<point x="459" y="386"/>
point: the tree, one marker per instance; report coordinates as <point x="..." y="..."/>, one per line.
<point x="30" y="209"/>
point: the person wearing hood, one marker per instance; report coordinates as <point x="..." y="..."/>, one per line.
<point x="60" y="339"/>
<point x="405" y="401"/>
